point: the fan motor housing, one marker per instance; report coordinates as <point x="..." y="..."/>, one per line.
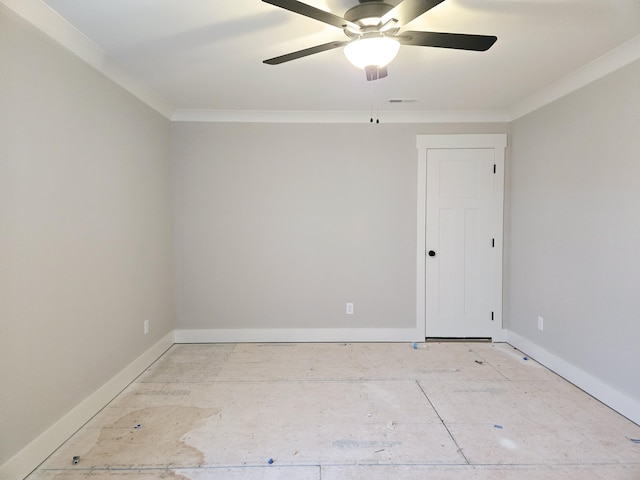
<point x="370" y="9"/>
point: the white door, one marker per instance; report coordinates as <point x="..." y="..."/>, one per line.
<point x="462" y="241"/>
<point x="459" y="242"/>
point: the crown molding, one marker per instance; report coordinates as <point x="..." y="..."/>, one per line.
<point x="259" y="116"/>
<point x="43" y="18"/>
<point x="611" y="61"/>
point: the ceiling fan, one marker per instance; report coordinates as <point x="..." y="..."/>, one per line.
<point x="375" y="33"/>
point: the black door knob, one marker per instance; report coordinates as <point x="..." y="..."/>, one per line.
<point x="432" y="253"/>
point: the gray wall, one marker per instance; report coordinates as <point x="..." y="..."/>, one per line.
<point x="85" y="232"/>
<point x="575" y="229"/>
<point x="278" y="226"/>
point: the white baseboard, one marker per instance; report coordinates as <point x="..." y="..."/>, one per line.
<point x="27" y="459"/>
<point x="607" y="394"/>
<point x="259" y="335"/>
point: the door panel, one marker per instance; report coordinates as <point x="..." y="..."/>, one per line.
<point x="459" y="201"/>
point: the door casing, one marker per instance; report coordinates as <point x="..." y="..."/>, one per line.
<point x="497" y="142"/>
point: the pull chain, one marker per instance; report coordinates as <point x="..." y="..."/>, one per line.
<point x="373" y="97"/>
<point x="377" y="108"/>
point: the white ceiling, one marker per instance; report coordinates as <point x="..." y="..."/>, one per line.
<point x="207" y="54"/>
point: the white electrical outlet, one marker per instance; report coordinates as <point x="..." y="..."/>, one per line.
<point x="349" y="308"/>
<point x="540" y="323"/>
<point x="146" y="326"/>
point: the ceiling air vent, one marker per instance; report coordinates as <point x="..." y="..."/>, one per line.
<point x="403" y="100"/>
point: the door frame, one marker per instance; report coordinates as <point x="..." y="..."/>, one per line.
<point x="497" y="142"/>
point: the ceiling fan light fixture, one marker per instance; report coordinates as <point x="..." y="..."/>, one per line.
<point x="372" y="51"/>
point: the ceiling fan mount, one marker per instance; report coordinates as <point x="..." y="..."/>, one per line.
<point x="375" y="29"/>
<point x="367" y="9"/>
<point x="367" y="16"/>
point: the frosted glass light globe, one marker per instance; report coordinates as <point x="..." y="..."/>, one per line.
<point x="372" y="52"/>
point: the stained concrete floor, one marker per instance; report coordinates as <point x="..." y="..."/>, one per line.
<point x="349" y="411"/>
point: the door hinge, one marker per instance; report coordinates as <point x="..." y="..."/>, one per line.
<point x="494" y="168"/>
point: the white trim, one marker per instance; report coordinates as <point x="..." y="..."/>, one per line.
<point x="617" y="400"/>
<point x="49" y="22"/>
<point x="421" y="242"/>
<point x="258" y="116"/>
<point x="498" y="232"/>
<point x="491" y="140"/>
<point x="45" y="19"/>
<point x="27" y="459"/>
<point x="425" y="142"/>
<point x="611" y="61"/>
<point x="298" y="335"/>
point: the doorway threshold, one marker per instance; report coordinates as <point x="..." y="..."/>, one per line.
<point x="458" y="339"/>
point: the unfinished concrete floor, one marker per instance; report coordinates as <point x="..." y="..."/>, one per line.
<point x="350" y="411"/>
